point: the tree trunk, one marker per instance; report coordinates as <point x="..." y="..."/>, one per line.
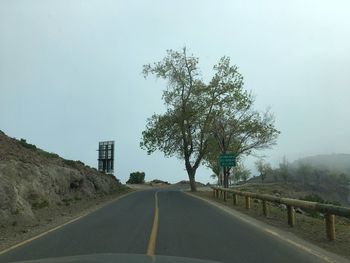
<point x="192" y="182"/>
<point x="191" y="175"/>
<point x="226" y="175"/>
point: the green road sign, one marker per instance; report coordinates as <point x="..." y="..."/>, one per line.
<point x="227" y="160"/>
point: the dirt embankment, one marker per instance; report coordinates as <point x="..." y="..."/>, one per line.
<point x="37" y="187"/>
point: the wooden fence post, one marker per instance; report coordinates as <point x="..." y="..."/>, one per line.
<point x="330" y="226"/>
<point x="265" y="208"/>
<point x="291" y="215"/>
<point x="234" y="199"/>
<point x="247" y="202"/>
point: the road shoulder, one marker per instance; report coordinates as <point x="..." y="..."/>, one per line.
<point x="55" y="222"/>
<point x="276" y="233"/>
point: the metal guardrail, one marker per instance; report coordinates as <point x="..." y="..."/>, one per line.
<point x="329" y="210"/>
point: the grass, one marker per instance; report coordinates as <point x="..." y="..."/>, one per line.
<point x="307" y="227"/>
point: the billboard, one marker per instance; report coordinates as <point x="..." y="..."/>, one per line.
<point x="106" y="157"/>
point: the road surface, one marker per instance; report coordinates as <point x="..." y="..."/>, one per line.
<point x="162" y="222"/>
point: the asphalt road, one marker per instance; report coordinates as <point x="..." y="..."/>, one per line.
<point x="186" y="227"/>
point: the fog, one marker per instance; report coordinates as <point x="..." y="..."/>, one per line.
<point x="70" y="72"/>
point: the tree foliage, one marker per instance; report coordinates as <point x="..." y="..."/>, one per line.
<point x="136" y="178"/>
<point x="263" y="168"/>
<point x="239" y="173"/>
<point x="197" y="114"/>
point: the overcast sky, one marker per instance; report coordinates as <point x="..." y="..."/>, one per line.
<point x="70" y="72"/>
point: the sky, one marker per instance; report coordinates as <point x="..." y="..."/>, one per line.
<point x="70" y="72"/>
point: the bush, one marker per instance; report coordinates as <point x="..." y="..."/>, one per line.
<point x="157" y="181"/>
<point x="70" y="163"/>
<point x="318" y="199"/>
<point x="67" y="201"/>
<point x="24" y="143"/>
<point x="136" y="178"/>
<point x="48" y="154"/>
<point x="39" y="205"/>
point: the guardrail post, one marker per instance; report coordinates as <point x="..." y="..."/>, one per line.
<point x="234" y="199"/>
<point x="330" y="226"/>
<point x="247" y="202"/>
<point x="265" y="208"/>
<point x="291" y="215"/>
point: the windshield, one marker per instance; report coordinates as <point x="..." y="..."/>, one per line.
<point x="174" y="131"/>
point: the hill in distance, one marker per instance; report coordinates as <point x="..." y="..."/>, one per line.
<point x="339" y="163"/>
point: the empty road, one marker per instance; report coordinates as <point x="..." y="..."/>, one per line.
<point x="162" y="222"/>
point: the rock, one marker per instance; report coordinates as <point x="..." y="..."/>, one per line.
<point x="282" y="206"/>
<point x="299" y="211"/>
<point x="30" y="177"/>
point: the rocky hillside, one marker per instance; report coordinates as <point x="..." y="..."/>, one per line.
<point x="32" y="179"/>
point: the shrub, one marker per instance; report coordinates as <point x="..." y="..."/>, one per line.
<point x="136" y="178"/>
<point x="39" y="205"/>
<point x="157" y="181"/>
<point x="48" y="154"/>
<point x="80" y="162"/>
<point x="24" y="143"/>
<point x="318" y="199"/>
<point x="70" y="163"/>
<point x="67" y="201"/>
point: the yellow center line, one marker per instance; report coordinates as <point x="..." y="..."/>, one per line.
<point x="153" y="237"/>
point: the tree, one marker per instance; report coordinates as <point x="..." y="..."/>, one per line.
<point x="304" y="171"/>
<point x="136" y="178"/>
<point x="212" y="162"/>
<point x="216" y="169"/>
<point x="239" y="173"/>
<point x="188" y="126"/>
<point x="263" y="168"/>
<point x="185" y="128"/>
<point x="237" y="127"/>
<point x="284" y="169"/>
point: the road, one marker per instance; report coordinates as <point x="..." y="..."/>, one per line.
<point x="185" y="227"/>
